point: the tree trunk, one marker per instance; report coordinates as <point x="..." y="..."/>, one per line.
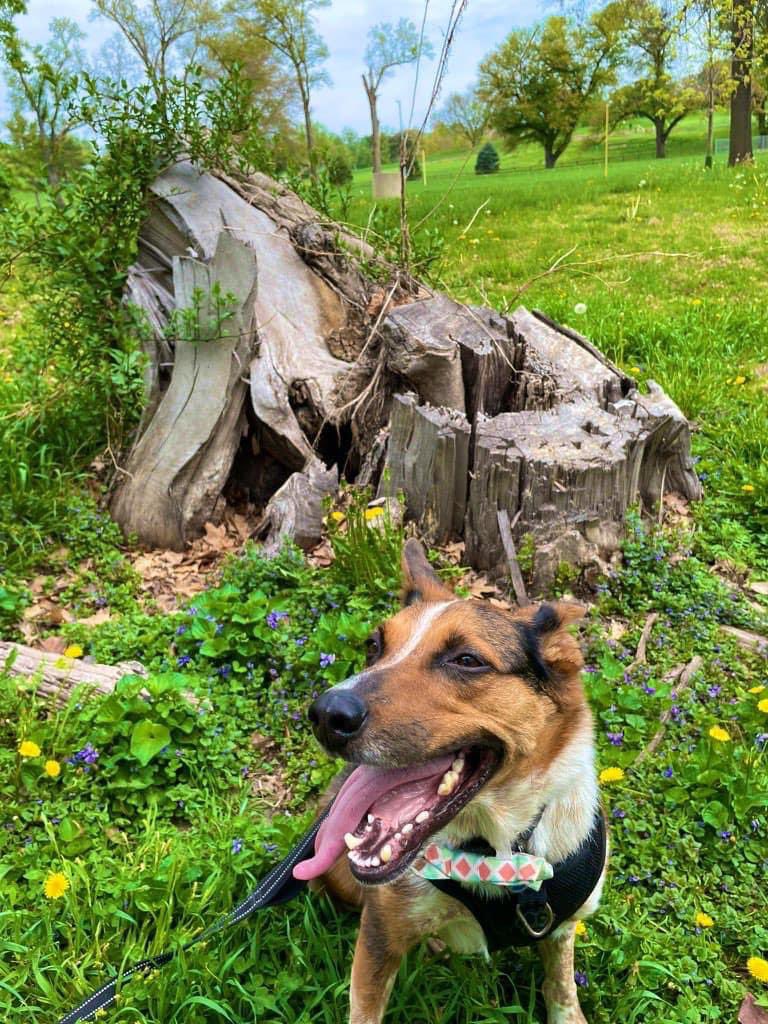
<point x="370" y="92"/>
<point x="308" y="131"/>
<point x="549" y="157"/>
<point x="709" y="153"/>
<point x="742" y="51"/>
<point x="661" y="140"/>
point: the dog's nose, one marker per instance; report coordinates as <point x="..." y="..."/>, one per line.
<point x="337" y="717"/>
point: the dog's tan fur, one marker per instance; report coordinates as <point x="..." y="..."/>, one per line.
<point x="546" y="737"/>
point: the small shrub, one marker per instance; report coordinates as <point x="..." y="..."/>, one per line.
<point x="487" y="160"/>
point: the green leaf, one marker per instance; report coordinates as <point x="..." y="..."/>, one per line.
<point x="148" y="739"/>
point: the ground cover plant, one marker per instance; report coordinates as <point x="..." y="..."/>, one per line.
<point x="131" y="822"/>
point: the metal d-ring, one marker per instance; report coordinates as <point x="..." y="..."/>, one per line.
<point x="532" y="931"/>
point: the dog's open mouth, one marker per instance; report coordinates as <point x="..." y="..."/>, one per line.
<point x="383" y="816"/>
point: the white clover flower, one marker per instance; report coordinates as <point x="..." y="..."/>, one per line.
<point x="580" y="308"/>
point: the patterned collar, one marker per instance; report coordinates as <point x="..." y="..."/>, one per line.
<point x="520" y="871"/>
<point x="471" y="864"/>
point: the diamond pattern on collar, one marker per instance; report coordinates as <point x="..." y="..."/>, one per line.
<point x="520" y="871"/>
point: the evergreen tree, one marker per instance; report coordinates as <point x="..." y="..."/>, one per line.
<point x="487" y="160"/>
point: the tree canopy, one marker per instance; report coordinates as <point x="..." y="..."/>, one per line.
<point x="540" y="83"/>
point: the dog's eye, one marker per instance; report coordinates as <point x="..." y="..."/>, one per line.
<point x="468" y="662"/>
<point x="372" y="648"/>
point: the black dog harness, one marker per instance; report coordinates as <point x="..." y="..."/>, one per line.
<point x="525" y="917"/>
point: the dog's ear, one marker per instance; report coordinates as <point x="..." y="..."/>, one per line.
<point x="420" y="581"/>
<point x="560" y="651"/>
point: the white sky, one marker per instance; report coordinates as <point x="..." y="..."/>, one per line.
<point x="344" y="27"/>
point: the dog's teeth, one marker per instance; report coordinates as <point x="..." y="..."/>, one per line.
<point x="369" y="828"/>
<point x="351" y="841"/>
<point x="386" y="854"/>
<point x="458" y="765"/>
<point x="375" y="862"/>
<point x="407" y="828"/>
<point x="398" y="835"/>
<point x="421" y="817"/>
<point x="371" y="819"/>
<point x="447" y="784"/>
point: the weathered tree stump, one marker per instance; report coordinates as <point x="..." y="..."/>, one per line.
<point x="493" y="427"/>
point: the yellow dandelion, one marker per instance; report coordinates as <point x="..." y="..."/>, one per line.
<point x="762" y="705"/>
<point x="29" y="749"/>
<point x="758" y="968"/>
<point x="635" y="369"/>
<point x="73" y="651"/>
<point x="695" y="302"/>
<point x="756" y="689"/>
<point x="52" y="769"/>
<point x="336" y="516"/>
<point x="704" y="920"/>
<point x="718" y="733"/>
<point x="739" y="379"/>
<point x="612" y="774"/>
<point x="747" y="488"/>
<point x="581" y="928"/>
<point x="374" y="513"/>
<point x="55" y="885"/>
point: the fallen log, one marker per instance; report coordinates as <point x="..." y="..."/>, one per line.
<point x="57" y="677"/>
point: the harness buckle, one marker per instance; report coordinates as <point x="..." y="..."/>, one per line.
<point x="533" y="932"/>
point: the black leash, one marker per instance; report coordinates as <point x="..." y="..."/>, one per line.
<point x="277" y="887"/>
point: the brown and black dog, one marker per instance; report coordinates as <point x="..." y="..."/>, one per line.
<point x="467" y="722"/>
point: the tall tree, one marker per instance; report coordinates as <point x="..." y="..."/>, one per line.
<point x="42" y="81"/>
<point x="389" y="46"/>
<point x="464" y="113"/>
<point x="540" y="83"/>
<point x="274" y="91"/>
<point x="653" y="31"/>
<point x="742" y="25"/>
<point x="289" y="26"/>
<point x="163" y="34"/>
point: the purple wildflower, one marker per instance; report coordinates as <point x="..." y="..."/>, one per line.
<point x="615" y="738"/>
<point x="88" y="755"/>
<point x="273" y="673"/>
<point x="668" y="773"/>
<point x="580" y="978"/>
<point x="183" y="660"/>
<point x="650" y="690"/>
<point x="714" y="691"/>
<point x="761" y="740"/>
<point x="326" y="660"/>
<point x="300" y="641"/>
<point x="618" y="813"/>
<point x="237" y="845"/>
<point x="224" y="671"/>
<point x="181" y="630"/>
<point x="275" y="618"/>
<point x="725" y="834"/>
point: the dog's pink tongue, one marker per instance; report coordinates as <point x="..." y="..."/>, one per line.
<point x="360" y="791"/>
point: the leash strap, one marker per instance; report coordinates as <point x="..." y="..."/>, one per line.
<point x="277" y="887"/>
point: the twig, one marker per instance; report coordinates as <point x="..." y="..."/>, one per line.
<point x="576" y="266"/>
<point x="688" y="672"/>
<point x="474" y="216"/>
<point x="644" y="638"/>
<point x="514" y="566"/>
<point x="661" y="493"/>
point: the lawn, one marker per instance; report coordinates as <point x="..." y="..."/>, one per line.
<point x="670" y="264"/>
